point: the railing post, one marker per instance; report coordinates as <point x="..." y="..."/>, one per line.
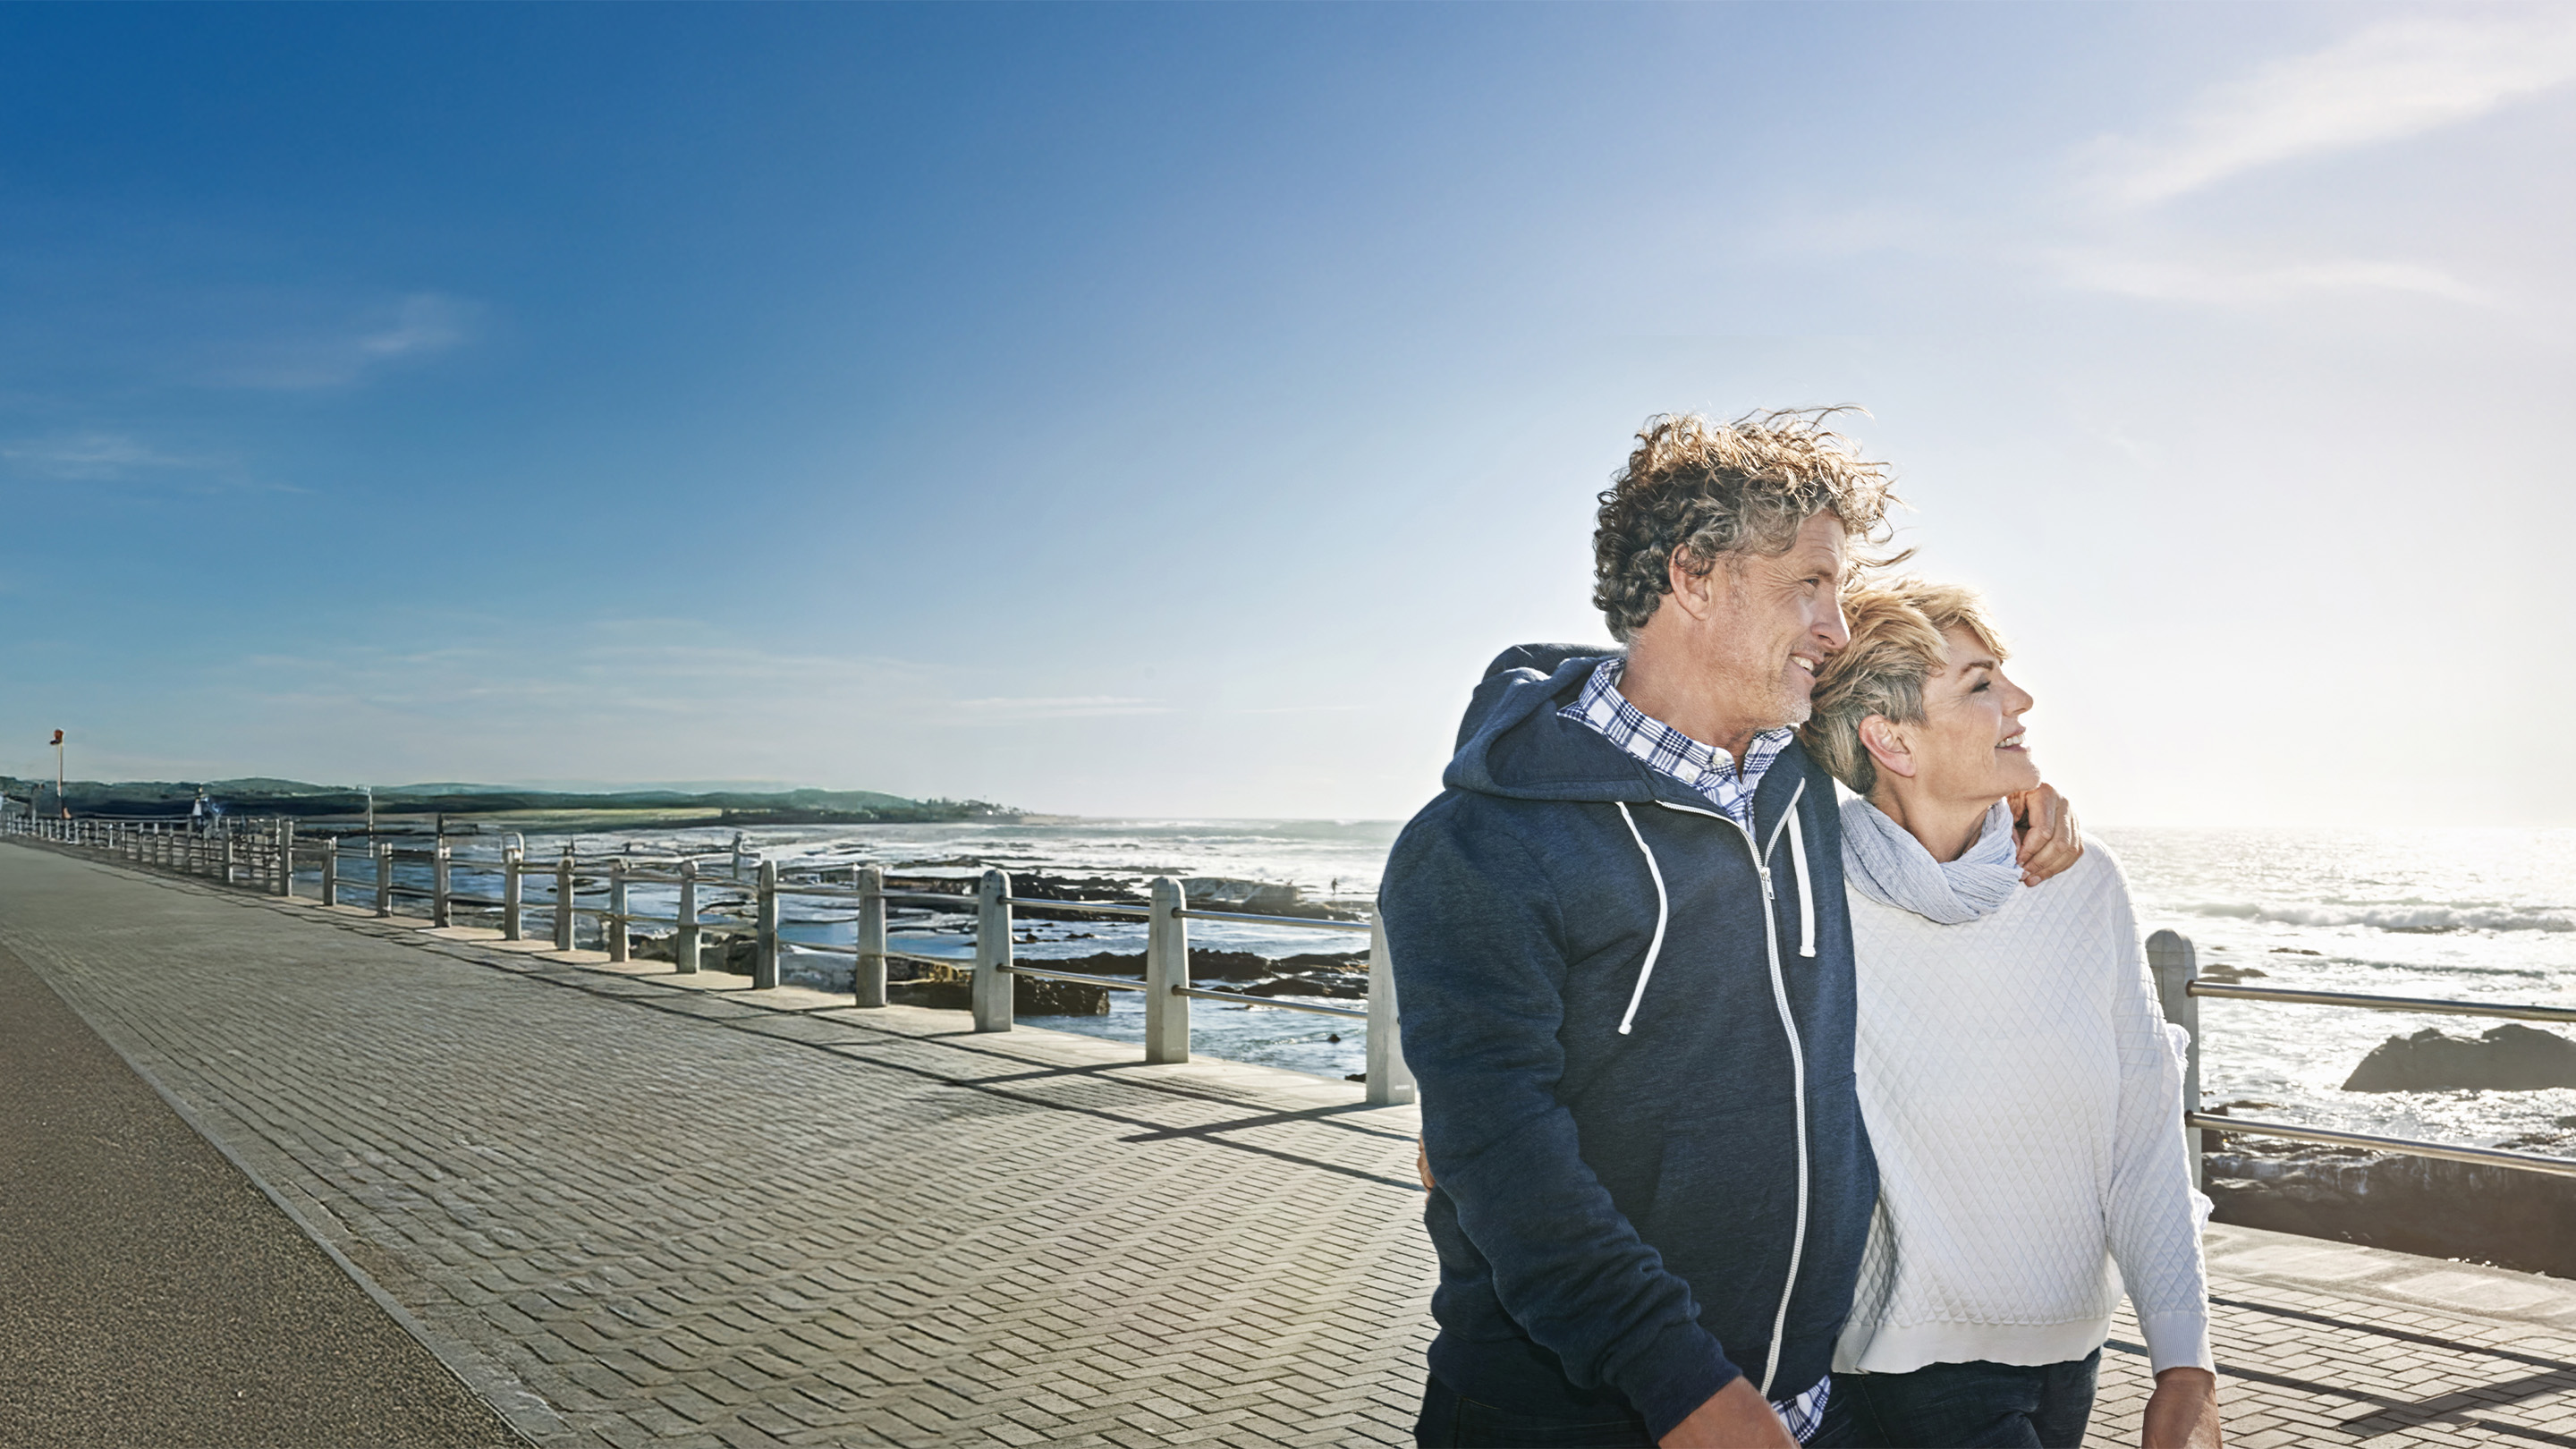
<point x="1390" y="1082"/>
<point x="868" y="980"/>
<point x="614" y="925"/>
<point x="286" y="858"/>
<point x="513" y="902"/>
<point x="228" y="857"/>
<point x="991" y="994"/>
<point x="384" y="878"/>
<point x="2177" y="965"/>
<point x="564" y="900"/>
<point x="764" y="962"/>
<point x="441" y="912"/>
<point x="684" y="939"/>
<point x="1167" y="974"/>
<point x="330" y="870"/>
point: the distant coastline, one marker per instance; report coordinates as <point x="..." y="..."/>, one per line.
<point x="448" y="806"/>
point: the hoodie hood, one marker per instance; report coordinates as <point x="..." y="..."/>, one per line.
<point x="1511" y="742"/>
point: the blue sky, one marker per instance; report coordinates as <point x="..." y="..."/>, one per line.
<point x="1168" y="409"/>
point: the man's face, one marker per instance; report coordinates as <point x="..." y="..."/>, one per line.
<point x="1773" y="621"/>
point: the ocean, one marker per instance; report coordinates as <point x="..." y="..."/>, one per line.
<point x="2469" y="914"/>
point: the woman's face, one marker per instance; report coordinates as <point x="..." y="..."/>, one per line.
<point x="1969" y="746"/>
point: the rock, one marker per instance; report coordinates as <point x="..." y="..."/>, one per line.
<point x="1030" y="996"/>
<point x="2508" y="1058"/>
<point x="2436" y="1208"/>
<point x="1325" y="961"/>
<point x="1334" y="986"/>
<point x="1204" y="965"/>
<point x="2227" y="974"/>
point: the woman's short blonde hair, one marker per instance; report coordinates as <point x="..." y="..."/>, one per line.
<point x="1898" y="641"/>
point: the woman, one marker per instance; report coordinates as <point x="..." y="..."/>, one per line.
<point x="2021" y="1090"/>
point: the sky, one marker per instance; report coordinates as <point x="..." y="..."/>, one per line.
<point x="1168" y="410"/>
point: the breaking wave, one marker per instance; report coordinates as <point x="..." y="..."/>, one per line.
<point x="2414" y="919"/>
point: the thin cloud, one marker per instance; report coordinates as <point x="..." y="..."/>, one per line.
<point x="89" y="456"/>
<point x="422" y="323"/>
<point x="419" y="325"/>
<point x="2390" y="81"/>
<point x="2164" y="279"/>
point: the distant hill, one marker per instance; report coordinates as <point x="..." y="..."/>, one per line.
<point x="263" y="796"/>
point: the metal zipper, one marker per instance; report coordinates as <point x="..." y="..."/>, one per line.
<point x="1797" y="1059"/>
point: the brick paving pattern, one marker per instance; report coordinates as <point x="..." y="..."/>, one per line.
<point x="633" y="1210"/>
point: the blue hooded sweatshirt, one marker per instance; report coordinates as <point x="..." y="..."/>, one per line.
<point x="1631" y="1022"/>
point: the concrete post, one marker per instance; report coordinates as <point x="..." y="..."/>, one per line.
<point x="992" y="986"/>
<point x="614" y="927"/>
<point x="2176" y="964"/>
<point x="564" y="903"/>
<point x="1167" y="974"/>
<point x="286" y="858"/>
<point x="1390" y="1083"/>
<point x="513" y="901"/>
<point x="442" y="912"/>
<point x="384" y="877"/>
<point x="684" y="941"/>
<point x="764" y="962"/>
<point x="868" y="981"/>
<point x="228" y="857"/>
<point x="330" y="870"/>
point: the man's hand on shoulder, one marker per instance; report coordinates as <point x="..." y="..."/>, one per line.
<point x="1735" y="1417"/>
<point x="2044" y="826"/>
<point x="2183" y="1411"/>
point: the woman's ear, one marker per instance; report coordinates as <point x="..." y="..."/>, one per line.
<point x="1885" y="741"/>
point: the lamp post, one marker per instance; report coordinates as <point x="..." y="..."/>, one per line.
<point x="59" y="802"/>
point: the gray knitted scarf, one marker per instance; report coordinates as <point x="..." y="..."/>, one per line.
<point x="1893" y="869"/>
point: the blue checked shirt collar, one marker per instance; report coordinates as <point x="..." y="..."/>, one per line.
<point x="1706" y="770"/>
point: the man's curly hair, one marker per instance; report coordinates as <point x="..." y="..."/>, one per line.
<point x="1706" y="490"/>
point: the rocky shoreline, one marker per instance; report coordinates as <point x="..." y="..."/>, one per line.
<point x="2502" y="1216"/>
<point x="1338" y="976"/>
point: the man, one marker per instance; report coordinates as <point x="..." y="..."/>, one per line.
<point x="1626" y="970"/>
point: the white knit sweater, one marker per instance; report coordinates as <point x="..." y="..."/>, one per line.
<point x="2025" y="1101"/>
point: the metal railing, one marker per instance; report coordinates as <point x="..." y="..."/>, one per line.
<point x="2177" y="969"/>
<point x="265" y="854"/>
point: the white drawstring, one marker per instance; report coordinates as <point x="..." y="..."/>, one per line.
<point x="1663" y="909"/>
<point x="1806" y="888"/>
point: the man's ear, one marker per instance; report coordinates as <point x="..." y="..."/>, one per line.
<point x="1885" y="741"/>
<point x="1693" y="594"/>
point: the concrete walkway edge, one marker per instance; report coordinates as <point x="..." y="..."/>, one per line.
<point x="521" y="1408"/>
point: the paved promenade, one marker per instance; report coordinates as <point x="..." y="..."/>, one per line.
<point x="630" y="1209"/>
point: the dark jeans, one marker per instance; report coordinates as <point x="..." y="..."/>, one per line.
<point x="1451" y="1422"/>
<point x="1964" y="1406"/>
